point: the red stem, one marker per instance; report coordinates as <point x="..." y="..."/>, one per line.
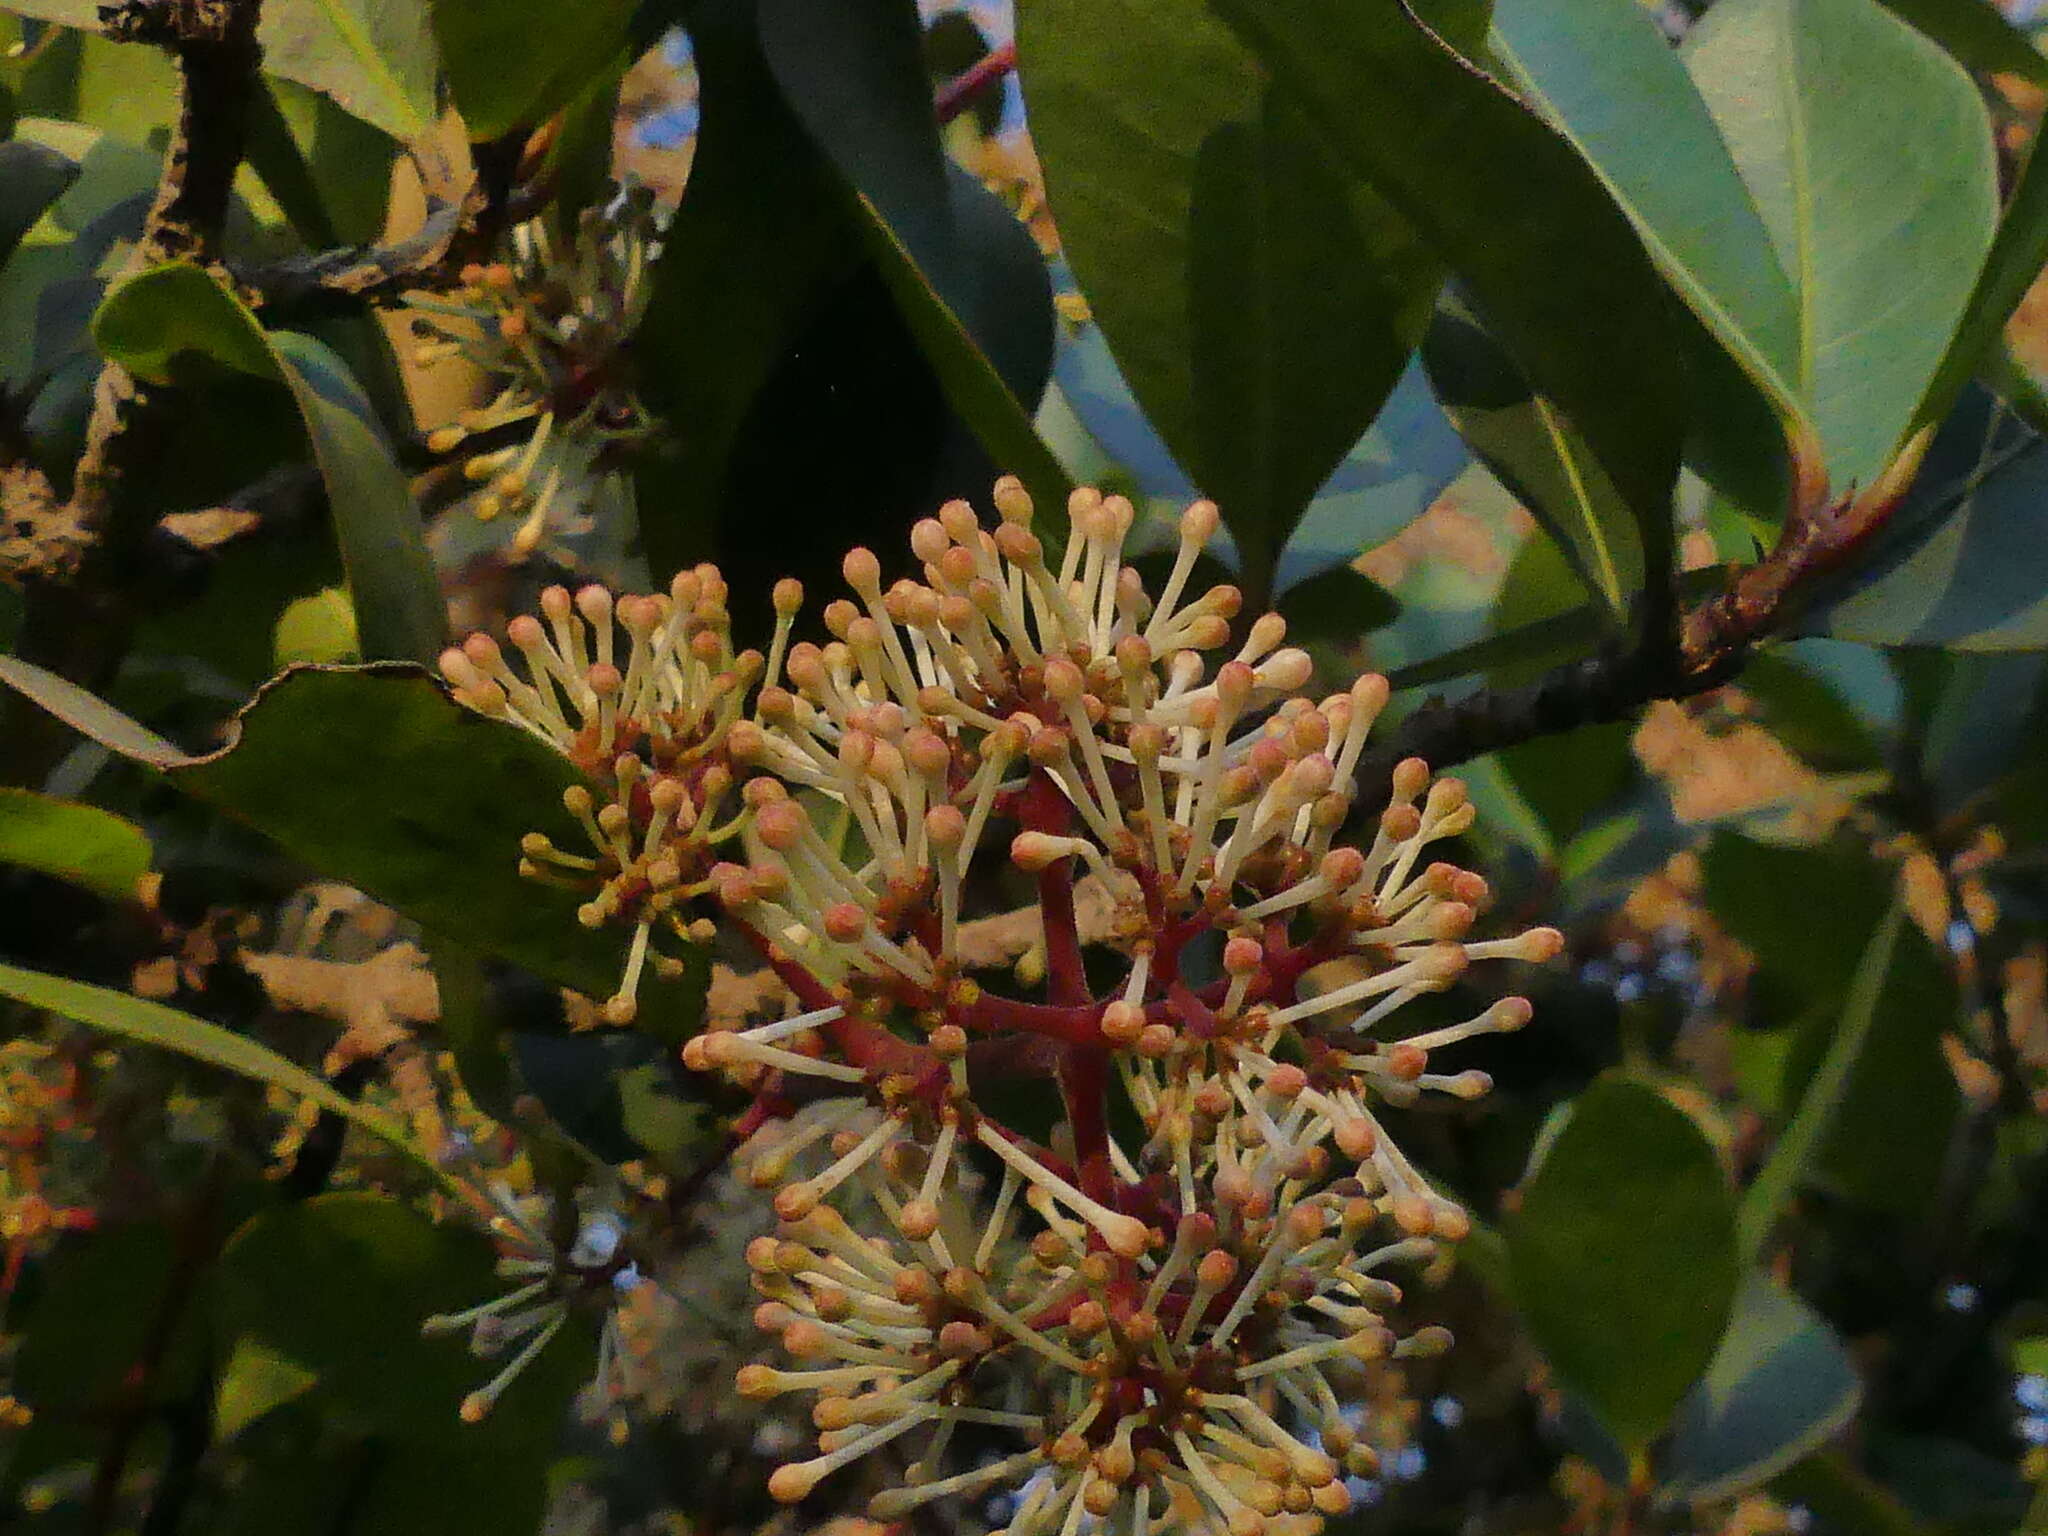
<point x="864" y="1045"/>
<point x="963" y="90"/>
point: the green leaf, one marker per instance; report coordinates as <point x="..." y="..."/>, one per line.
<point x="1623" y="1254"/>
<point x="1798" y="1145"/>
<point x="2015" y="259"/>
<point x="79" y="843"/>
<point x="373" y="58"/>
<point x="1261" y="303"/>
<point x="1977" y="581"/>
<point x="1780" y="1386"/>
<point x="320" y="630"/>
<point x="32" y="176"/>
<point x="339" y="1285"/>
<point x="1566" y="778"/>
<point x="1805" y="709"/>
<point x="1604" y="74"/>
<point x="155" y="322"/>
<point x="1539" y="457"/>
<point x="330" y="173"/>
<point x="1515" y="213"/>
<point x="1337" y="606"/>
<point x="1891" y="1137"/>
<point x="965" y="274"/>
<point x="1977" y="34"/>
<point x="970" y="380"/>
<point x="760" y="237"/>
<point x="1868" y="153"/>
<point x="1843" y="1497"/>
<point x="138" y="1019"/>
<point x="255" y="1380"/>
<point x="511" y="63"/>
<point x="373" y="775"/>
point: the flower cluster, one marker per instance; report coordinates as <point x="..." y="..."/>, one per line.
<point x="1171" y="1323"/>
<point x="649" y="729"/>
<point x="548" y="327"/>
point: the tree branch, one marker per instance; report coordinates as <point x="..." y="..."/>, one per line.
<point x="1714" y="638"/>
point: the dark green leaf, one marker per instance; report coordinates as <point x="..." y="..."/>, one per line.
<point x="1623" y="1254"/>
<point x="1805" y="709"/>
<point x="1516" y="214"/>
<point x="1978" y="581"/>
<point x="254" y="1381"/>
<point x="79" y="843"/>
<point x="1338" y="606"/>
<point x="1843" y="1498"/>
<point x="1568" y="777"/>
<point x="965" y="274"/>
<point x="1891" y="1141"/>
<point x="511" y="63"/>
<point x="136" y="1018"/>
<point x="2010" y="268"/>
<point x="339" y="1285"/>
<point x="32" y="176"/>
<point x="970" y="380"/>
<point x="1780" y="1386"/>
<point x="1261" y="307"/>
<point x="760" y="239"/>
<point x="1868" y="153"/>
<point x="1799" y="1143"/>
<point x="154" y="322"/>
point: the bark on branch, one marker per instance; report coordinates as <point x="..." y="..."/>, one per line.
<point x="1715" y="638"/>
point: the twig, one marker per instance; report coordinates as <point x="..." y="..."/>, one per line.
<point x="1714" y="638"/>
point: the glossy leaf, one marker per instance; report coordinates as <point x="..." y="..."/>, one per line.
<point x="79" y="843"/>
<point x="1606" y="76"/>
<point x="511" y="63"/>
<point x="1799" y="1143"/>
<point x="149" y="1023"/>
<point x="1780" y="1386"/>
<point x="1261" y="303"/>
<point x="155" y="322"/>
<point x="1511" y="208"/>
<point x="1623" y="1254"/>
<point x="329" y="172"/>
<point x="1868" y="154"/>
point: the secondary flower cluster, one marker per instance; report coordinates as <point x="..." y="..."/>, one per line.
<point x="1171" y="1322"/>
<point x="547" y="327"/>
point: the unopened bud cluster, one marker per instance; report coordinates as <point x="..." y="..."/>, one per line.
<point x="1171" y="1323"/>
<point x="547" y="326"/>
